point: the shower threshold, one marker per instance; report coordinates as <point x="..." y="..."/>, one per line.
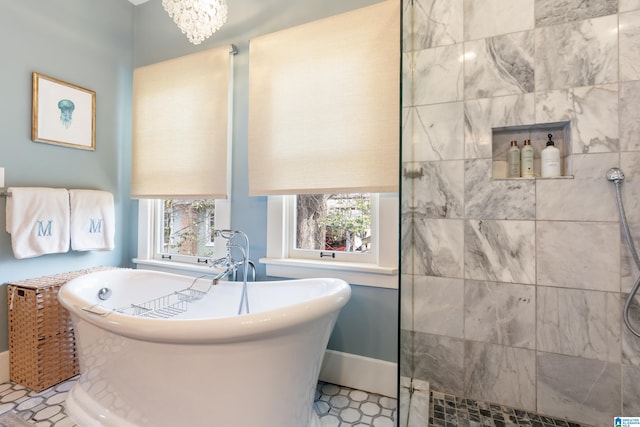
<point x="414" y="403"/>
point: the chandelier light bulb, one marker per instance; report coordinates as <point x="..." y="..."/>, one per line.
<point x="198" y="19"/>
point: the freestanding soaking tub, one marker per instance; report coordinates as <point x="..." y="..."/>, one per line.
<point x="203" y="365"/>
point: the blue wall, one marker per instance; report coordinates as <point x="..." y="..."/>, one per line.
<point x="95" y="44"/>
<point x="88" y="43"/>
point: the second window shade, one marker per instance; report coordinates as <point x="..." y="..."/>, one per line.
<point x="324" y="105"/>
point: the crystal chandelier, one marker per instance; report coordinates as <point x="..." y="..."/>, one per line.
<point x="198" y="19"/>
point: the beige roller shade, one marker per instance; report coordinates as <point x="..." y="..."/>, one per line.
<point x="324" y="105"/>
<point x="180" y="116"/>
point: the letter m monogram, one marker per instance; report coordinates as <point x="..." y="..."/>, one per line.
<point x="95" y="227"/>
<point x="44" y="230"/>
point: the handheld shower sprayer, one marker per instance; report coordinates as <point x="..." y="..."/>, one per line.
<point x="616" y="176"/>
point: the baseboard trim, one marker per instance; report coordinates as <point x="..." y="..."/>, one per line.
<point x="359" y="372"/>
<point x="4" y="367"/>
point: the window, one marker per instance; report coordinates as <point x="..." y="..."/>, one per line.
<point x="187" y="227"/>
<point x="335" y="226"/>
<point x="309" y="107"/>
<point x="180" y="231"/>
<point x="373" y="257"/>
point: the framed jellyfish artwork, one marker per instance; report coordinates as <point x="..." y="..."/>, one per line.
<point x="63" y="114"/>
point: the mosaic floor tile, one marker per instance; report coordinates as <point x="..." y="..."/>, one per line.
<point x="336" y="406"/>
<point x="345" y="407"/>
<point x="446" y="410"/>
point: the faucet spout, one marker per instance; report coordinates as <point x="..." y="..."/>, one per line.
<point x="220" y="276"/>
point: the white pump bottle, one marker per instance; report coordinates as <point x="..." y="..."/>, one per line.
<point x="550" y="160"/>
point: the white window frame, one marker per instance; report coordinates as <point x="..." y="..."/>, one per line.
<point x="380" y="272"/>
<point x="150" y="239"/>
<point x="370" y="257"/>
<point x="208" y="228"/>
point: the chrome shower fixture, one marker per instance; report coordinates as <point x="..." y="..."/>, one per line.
<point x="615" y="175"/>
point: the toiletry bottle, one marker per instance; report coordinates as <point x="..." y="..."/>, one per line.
<point x="526" y="159"/>
<point x="513" y="160"/>
<point x="550" y="160"/>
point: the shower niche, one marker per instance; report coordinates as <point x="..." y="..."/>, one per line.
<point x="538" y="134"/>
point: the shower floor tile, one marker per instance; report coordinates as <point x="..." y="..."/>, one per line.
<point x="446" y="410"/>
<point x="336" y="406"/>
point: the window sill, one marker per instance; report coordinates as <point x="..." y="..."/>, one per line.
<point x="351" y="272"/>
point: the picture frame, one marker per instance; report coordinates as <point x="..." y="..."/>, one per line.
<point x="63" y="114"/>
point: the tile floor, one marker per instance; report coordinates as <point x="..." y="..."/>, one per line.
<point x="446" y="410"/>
<point x="336" y="406"/>
<point x="346" y="407"/>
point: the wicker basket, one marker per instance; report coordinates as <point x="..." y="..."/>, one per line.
<point x="42" y="348"/>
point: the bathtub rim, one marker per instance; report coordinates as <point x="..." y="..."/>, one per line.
<point x="211" y="330"/>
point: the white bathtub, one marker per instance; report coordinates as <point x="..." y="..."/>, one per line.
<point x="206" y="366"/>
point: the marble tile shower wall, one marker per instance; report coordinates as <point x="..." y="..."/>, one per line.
<point x="512" y="289"/>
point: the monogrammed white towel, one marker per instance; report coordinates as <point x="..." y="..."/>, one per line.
<point x="38" y="220"/>
<point x="93" y="225"/>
